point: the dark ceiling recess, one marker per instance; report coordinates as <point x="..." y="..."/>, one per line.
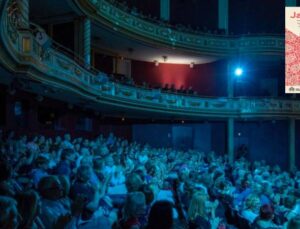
<point x="256" y="16"/>
<point x="197" y="14"/>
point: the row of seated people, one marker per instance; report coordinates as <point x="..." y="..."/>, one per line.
<point x="119" y="78"/>
<point x="112" y="183"/>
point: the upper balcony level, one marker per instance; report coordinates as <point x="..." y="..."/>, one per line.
<point x="131" y="25"/>
<point x="22" y="54"/>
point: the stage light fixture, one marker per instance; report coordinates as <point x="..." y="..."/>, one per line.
<point x="238" y="72"/>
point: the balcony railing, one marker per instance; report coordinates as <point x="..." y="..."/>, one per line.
<point x="211" y="44"/>
<point x="55" y="68"/>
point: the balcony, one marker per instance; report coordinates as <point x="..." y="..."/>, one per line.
<point x="21" y="53"/>
<point x="122" y="21"/>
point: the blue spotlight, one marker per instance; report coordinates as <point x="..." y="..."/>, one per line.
<point x="238" y="72"/>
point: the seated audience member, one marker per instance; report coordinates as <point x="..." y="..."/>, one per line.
<point x="40" y="170"/>
<point x="64" y="167"/>
<point x="6" y="184"/>
<point x="266" y="216"/>
<point x="9" y="215"/>
<point x="293" y="223"/>
<point x="82" y="185"/>
<point x="52" y="209"/>
<point x="29" y="208"/>
<point x="133" y="182"/>
<point x="251" y="209"/>
<point x="134" y="211"/>
<point x="200" y="214"/>
<point x="160" y="216"/>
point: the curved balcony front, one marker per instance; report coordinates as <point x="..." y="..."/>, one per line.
<point x="21" y="53"/>
<point x="102" y="11"/>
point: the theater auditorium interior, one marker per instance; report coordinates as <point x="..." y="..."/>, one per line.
<point x="147" y="114"/>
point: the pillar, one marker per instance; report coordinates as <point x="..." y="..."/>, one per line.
<point x="230" y="139"/>
<point x="87" y="41"/>
<point x="292" y="144"/>
<point x="165" y="10"/>
<point x="290" y="2"/>
<point x="223" y="15"/>
<point x="82" y="38"/>
<point x="23" y="6"/>
<point x="230" y="81"/>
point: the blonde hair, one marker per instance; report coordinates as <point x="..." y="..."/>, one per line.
<point x="251" y="201"/>
<point x="197" y="205"/>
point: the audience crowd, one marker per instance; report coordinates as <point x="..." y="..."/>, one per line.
<point x="111" y="183"/>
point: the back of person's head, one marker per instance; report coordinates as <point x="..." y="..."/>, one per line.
<point x="252" y="203"/>
<point x="9" y="216"/>
<point x="135" y="205"/>
<point x="50" y="188"/>
<point x="28" y="206"/>
<point x="161" y="215"/>
<point x="197" y="205"/>
<point x="5" y="171"/>
<point x="294" y="223"/>
<point x="84" y="173"/>
<point x="42" y="162"/>
<point x="266" y="212"/>
<point x="66" y="153"/>
<point x="133" y="182"/>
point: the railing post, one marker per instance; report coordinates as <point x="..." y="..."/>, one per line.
<point x="230" y="139"/>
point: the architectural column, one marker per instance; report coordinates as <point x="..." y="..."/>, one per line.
<point x="290" y="2"/>
<point x="223" y="15"/>
<point x="23" y="6"/>
<point x="87" y="41"/>
<point x="292" y="147"/>
<point x="230" y="81"/>
<point x="230" y="139"/>
<point x="82" y="39"/>
<point x="165" y="10"/>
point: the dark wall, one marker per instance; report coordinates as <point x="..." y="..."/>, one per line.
<point x="256" y="16"/>
<point x="103" y="62"/>
<point x="204" y="136"/>
<point x="206" y="79"/>
<point x="260" y="78"/>
<point x="24" y="114"/>
<point x="64" y="34"/>
<point x="265" y="141"/>
<point x="201" y="14"/>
